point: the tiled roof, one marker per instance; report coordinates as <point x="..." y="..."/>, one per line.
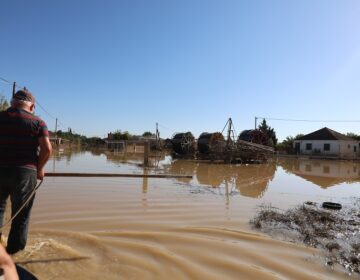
<point x="325" y="134"/>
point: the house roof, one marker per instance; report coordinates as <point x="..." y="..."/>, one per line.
<point x="326" y="182"/>
<point x="325" y="134"/>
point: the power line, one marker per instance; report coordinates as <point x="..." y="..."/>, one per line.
<point x="36" y="102"/>
<point x="51" y="116"/>
<point x="301" y="120"/>
<point x="170" y="129"/>
<point x="6" y="81"/>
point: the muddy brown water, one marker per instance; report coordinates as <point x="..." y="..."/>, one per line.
<point x="128" y="228"/>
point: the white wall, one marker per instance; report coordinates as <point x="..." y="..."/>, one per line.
<point x="347" y="149"/>
<point x="319" y="145"/>
<point x="343" y="149"/>
<point x="327" y="168"/>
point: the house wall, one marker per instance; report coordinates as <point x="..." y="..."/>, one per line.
<point x="347" y="149"/>
<point x="341" y="148"/>
<point x="318" y="147"/>
<point x="326" y="168"/>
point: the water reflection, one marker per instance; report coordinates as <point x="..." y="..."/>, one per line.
<point x="183" y="167"/>
<point x="247" y="180"/>
<point x="213" y="174"/>
<point x="253" y="180"/>
<point x="134" y="158"/>
<point x="324" y="173"/>
<point x="67" y="154"/>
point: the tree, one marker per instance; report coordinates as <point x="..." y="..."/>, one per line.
<point x="288" y="144"/>
<point x="118" y="135"/>
<point x="353" y="136"/>
<point x="148" y="134"/>
<point x="3" y="103"/>
<point x="270" y="132"/>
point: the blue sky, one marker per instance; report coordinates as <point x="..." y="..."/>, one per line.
<point x="104" y="65"/>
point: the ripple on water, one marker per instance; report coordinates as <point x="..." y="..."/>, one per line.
<point x="179" y="253"/>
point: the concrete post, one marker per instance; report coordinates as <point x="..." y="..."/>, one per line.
<point x="146" y="153"/>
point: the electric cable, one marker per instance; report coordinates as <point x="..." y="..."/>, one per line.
<point x="303" y="120"/>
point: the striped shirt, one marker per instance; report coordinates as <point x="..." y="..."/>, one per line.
<point x="19" y="134"/>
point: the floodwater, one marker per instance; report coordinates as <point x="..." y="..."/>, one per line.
<point x="134" y="228"/>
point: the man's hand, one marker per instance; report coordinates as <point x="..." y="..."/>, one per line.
<point x="44" y="155"/>
<point x="8" y="266"/>
<point x="40" y="174"/>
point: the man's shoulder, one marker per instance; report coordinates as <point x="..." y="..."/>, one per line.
<point x="31" y="117"/>
<point x="4" y="114"/>
<point x="36" y="118"/>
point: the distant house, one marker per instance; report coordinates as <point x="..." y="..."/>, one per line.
<point x="54" y="139"/>
<point x="328" y="143"/>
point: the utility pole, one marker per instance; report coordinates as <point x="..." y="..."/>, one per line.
<point x="146" y="153"/>
<point x="229" y="130"/>
<point x="14" y="89"/>
<point x="256" y="122"/>
<point x="157" y="136"/>
<point x="55" y="132"/>
<point x="55" y="128"/>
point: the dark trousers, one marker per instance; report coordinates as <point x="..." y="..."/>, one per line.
<point x="18" y="183"/>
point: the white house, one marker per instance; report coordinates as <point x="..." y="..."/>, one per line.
<point x="327" y="142"/>
<point x="325" y="173"/>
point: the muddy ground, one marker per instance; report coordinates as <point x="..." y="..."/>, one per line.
<point x="336" y="232"/>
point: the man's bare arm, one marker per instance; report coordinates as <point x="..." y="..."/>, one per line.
<point x="44" y="155"/>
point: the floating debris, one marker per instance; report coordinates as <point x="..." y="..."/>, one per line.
<point x="337" y="233"/>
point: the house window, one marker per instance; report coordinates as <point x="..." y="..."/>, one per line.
<point x="308" y="168"/>
<point x="326" y="169"/>
<point x="326" y="147"/>
<point x="354" y="149"/>
<point x="348" y="146"/>
<point x="308" y="146"/>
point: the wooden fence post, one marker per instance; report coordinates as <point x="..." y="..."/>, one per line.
<point x="146" y="153"/>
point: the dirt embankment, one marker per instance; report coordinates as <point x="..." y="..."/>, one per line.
<point x="336" y="232"/>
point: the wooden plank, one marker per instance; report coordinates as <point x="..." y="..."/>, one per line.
<point x="67" y="174"/>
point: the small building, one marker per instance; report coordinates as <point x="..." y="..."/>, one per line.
<point x="327" y="143"/>
<point x="116" y="145"/>
<point x="55" y="140"/>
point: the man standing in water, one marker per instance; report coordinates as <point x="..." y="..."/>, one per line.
<point x="21" y="163"/>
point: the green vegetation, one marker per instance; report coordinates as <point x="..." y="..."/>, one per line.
<point x="288" y="144"/>
<point x="353" y="136"/>
<point x="77" y="139"/>
<point x="118" y="135"/>
<point x="270" y="132"/>
<point x="3" y="103"/>
<point x="73" y="138"/>
<point x="148" y="134"/>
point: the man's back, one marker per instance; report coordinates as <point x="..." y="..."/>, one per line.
<point x="19" y="133"/>
<point x="24" y="150"/>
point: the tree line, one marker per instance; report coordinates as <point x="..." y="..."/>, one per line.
<point x="126" y="135"/>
